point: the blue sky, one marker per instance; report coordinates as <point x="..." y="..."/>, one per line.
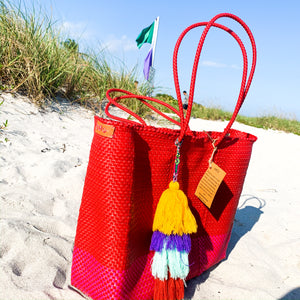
<point x="115" y="24"/>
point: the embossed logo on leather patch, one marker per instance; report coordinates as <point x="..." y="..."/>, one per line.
<point x="104" y="129"/>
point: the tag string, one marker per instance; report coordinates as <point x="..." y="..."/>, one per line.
<point x="213" y="141"/>
<point x="212" y="155"/>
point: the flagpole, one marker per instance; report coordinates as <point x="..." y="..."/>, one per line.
<point x="154" y="38"/>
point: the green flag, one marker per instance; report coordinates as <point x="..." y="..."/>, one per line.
<point x="145" y="36"/>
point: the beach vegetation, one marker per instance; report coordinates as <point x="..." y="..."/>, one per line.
<point x="4" y="124"/>
<point x="37" y="60"/>
<point x="268" y="121"/>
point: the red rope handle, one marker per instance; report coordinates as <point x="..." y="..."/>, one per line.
<point x="141" y="98"/>
<point x="245" y="85"/>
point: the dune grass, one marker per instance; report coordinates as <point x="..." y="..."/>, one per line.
<point x="216" y="113"/>
<point x="36" y="59"/>
<point x="265" y="122"/>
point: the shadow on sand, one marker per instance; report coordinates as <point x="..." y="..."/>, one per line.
<point x="245" y="219"/>
<point x="292" y="295"/>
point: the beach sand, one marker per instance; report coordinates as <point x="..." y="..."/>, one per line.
<point x="43" y="160"/>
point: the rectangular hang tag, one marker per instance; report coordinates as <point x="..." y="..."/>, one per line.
<point x="104" y="129"/>
<point x="209" y="184"/>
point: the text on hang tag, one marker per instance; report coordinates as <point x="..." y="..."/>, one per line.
<point x="209" y="184"/>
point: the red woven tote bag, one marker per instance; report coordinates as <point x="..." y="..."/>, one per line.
<point x="131" y="164"/>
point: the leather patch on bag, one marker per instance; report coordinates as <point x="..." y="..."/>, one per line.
<point x="209" y="184"/>
<point x="104" y="129"/>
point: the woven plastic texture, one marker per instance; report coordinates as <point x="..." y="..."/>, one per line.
<point x="125" y="177"/>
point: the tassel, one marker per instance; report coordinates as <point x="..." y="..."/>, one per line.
<point x="178" y="264"/>
<point x="172" y="225"/>
<point x="173" y="215"/>
<point x="179" y="288"/>
<point x="160" y="289"/>
<point x="175" y="289"/>
<point x="172" y="289"/>
<point x="159" y="265"/>
<point x="173" y="241"/>
<point x="157" y="241"/>
<point x="174" y="261"/>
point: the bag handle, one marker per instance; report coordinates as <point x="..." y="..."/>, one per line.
<point x="245" y="85"/>
<point x="143" y="99"/>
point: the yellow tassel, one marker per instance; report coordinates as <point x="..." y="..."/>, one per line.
<point x="173" y="215"/>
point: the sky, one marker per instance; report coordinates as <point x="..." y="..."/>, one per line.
<point x="114" y="25"/>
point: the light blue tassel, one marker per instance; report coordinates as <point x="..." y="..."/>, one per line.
<point x="178" y="263"/>
<point x="160" y="265"/>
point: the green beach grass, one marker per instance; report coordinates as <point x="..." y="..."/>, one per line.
<point x="38" y="61"/>
<point x="266" y="121"/>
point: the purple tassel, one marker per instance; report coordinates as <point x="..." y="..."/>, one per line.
<point x="157" y="241"/>
<point x="173" y="241"/>
<point x="181" y="243"/>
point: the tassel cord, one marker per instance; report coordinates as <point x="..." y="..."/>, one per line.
<point x="177" y="160"/>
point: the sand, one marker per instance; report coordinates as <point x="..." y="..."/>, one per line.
<point x="43" y="160"/>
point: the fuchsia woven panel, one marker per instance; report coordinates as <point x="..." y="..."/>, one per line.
<point x="100" y="282"/>
<point x="206" y="252"/>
